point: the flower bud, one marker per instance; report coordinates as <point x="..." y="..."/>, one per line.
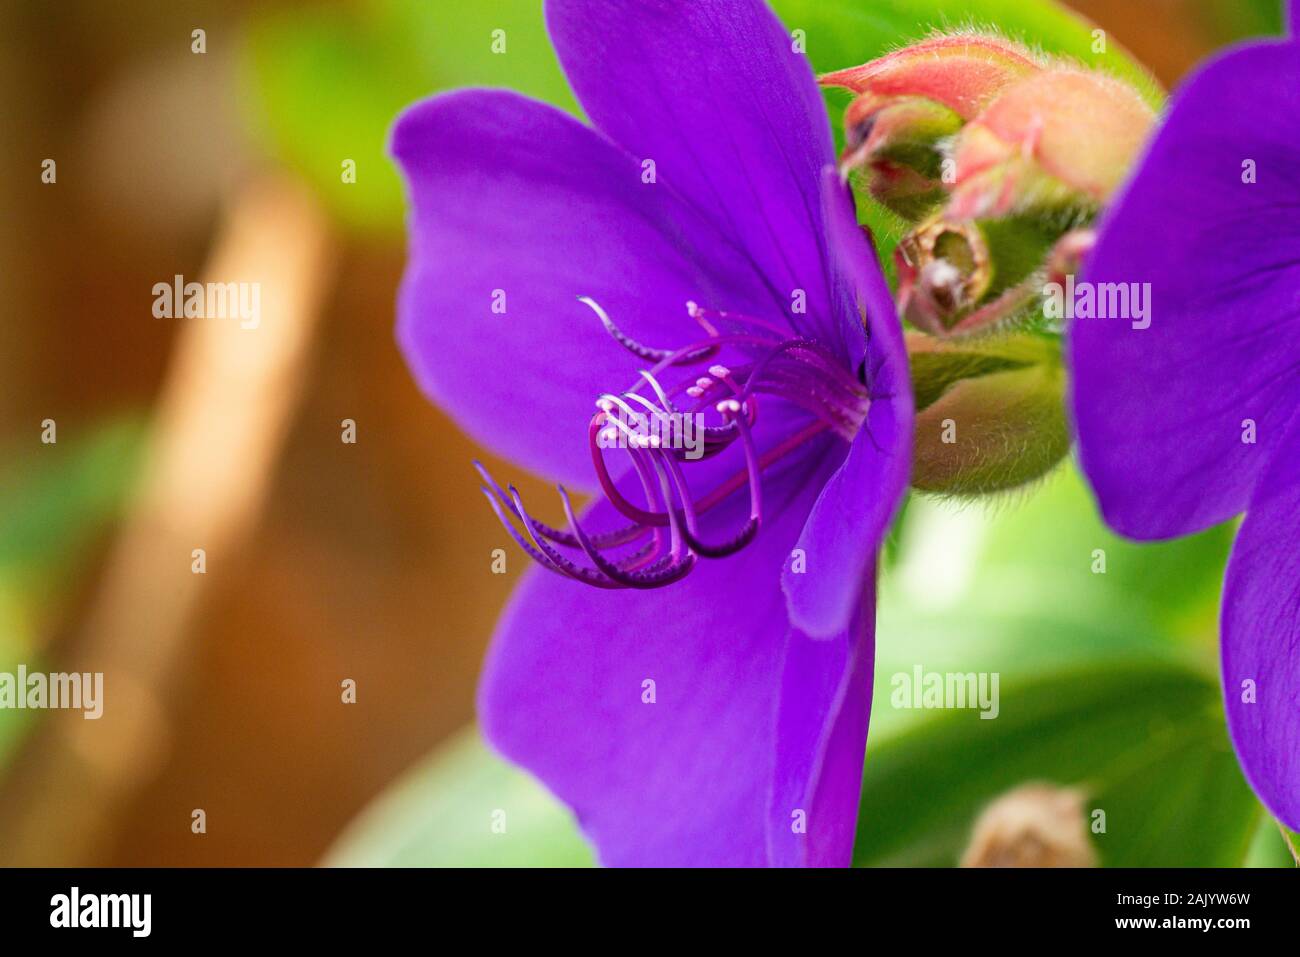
<point x="990" y="412"/>
<point x="1063" y="138"/>
<point x="908" y="103"/>
<point x="1002" y="159"/>
<point x="898" y="148"/>
<point x="1036" y="825"/>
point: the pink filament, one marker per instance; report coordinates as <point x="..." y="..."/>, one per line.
<point x="661" y="542"/>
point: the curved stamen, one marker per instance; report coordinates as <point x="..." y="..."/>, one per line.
<point x="750" y="528"/>
<point x="529" y="550"/>
<point x="611" y="539"/>
<point x="636" y="348"/>
<point x="616" y="498"/>
<point x="677" y="357"/>
<point x="658" y="390"/>
<point x="673" y="571"/>
<point x="734" y="319"/>
<point x="555" y="560"/>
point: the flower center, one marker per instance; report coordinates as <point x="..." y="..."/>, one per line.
<point x="707" y="407"/>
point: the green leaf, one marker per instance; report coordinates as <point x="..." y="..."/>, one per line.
<point x="1108" y="680"/>
<point x="1268" y="848"/>
<point x="1146" y="743"/>
<point x="1055" y="551"/>
<point x="1008" y="585"/>
<point x="1045" y="551"/>
<point x="442" y="814"/>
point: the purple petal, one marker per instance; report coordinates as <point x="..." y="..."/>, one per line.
<point x="713" y="92"/>
<point x="1261" y="637"/>
<point x="852" y="515"/>
<point x="1161" y="412"/>
<point x="821" y="742"/>
<point x="514" y="197"/>
<point x="685" y="780"/>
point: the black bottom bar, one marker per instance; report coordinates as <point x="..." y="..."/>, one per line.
<point x="573" y="907"/>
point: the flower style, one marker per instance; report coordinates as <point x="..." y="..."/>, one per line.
<point x="1197" y="418"/>
<point x="690" y="667"/>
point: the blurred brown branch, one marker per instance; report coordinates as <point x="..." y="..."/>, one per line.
<point x="229" y="396"/>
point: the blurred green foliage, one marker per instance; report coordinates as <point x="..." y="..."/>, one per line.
<point x="441" y="815"/>
<point x="1106" y="654"/>
<point x="54" y="499"/>
<point x="326" y="83"/>
<point x="1226" y="21"/>
<point x="1144" y="743"/>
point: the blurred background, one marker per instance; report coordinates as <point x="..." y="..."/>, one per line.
<point x="226" y="153"/>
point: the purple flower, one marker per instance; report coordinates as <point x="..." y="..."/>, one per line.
<point x="1197" y="418"/>
<point x="707" y="702"/>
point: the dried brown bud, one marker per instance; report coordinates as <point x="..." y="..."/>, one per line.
<point x="1036" y="825"/>
<point x="943" y="272"/>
